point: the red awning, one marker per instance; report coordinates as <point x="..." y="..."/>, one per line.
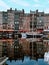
<point x="22" y="30"/>
<point x="39" y="30"/>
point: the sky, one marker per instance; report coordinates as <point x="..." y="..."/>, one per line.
<point x="27" y="5"/>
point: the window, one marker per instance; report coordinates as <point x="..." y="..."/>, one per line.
<point x="4" y="26"/>
<point x="30" y="24"/>
<point x="35" y="24"/>
<point x="16" y="15"/>
<point x="17" y="22"/>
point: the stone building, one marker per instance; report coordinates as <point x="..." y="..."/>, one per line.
<point x="20" y="21"/>
<point x="26" y="23"/>
<point x="1" y="20"/>
<point x="46" y="21"/>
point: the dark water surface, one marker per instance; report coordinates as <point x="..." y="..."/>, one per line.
<point x="25" y="51"/>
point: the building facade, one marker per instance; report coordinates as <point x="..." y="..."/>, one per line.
<point x="26" y="23"/>
<point x="46" y="21"/>
<point x="20" y="21"/>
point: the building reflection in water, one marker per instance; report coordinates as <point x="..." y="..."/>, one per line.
<point x="18" y="48"/>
